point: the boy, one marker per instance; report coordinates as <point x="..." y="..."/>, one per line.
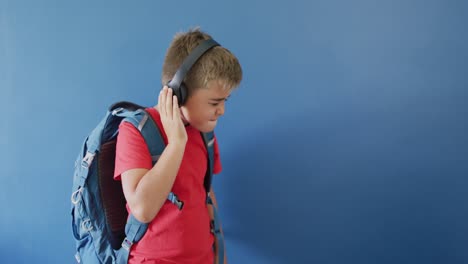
<point x="173" y="235"/>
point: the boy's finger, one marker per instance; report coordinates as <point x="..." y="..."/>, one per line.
<point x="175" y="107"/>
<point x="169" y="102"/>
<point x="159" y="102"/>
<point x="162" y="101"/>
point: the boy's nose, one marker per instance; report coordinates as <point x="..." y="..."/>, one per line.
<point x="220" y="110"/>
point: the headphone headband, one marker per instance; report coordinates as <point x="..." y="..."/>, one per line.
<point x="189" y="61"/>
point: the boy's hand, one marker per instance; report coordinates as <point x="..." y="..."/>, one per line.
<point x="168" y="108"/>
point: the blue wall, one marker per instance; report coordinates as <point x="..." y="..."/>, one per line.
<point x="346" y="142"/>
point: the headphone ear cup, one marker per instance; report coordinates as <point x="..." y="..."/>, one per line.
<point x="182" y="94"/>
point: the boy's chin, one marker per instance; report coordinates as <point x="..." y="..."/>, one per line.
<point x="207" y="127"/>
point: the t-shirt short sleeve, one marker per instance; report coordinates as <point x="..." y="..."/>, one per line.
<point x="131" y="151"/>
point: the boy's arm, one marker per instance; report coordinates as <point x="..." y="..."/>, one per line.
<point x="147" y="190"/>
<point x="210" y="210"/>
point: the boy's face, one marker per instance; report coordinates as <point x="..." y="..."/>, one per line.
<point x="205" y="106"/>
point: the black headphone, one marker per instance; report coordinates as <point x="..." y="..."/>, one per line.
<point x="177" y="82"/>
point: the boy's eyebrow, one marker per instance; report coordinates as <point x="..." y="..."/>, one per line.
<point x="220" y="99"/>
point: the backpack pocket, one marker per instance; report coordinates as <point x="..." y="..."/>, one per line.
<point x="83" y="239"/>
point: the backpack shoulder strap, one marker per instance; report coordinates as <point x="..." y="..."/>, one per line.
<point x="208" y="139"/>
<point x="215" y="223"/>
<point x="142" y="121"/>
<point x="150" y="132"/>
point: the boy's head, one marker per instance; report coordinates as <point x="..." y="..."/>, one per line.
<point x="209" y="82"/>
<point x="218" y="63"/>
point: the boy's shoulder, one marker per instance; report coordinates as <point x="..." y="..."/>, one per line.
<point x="154" y="113"/>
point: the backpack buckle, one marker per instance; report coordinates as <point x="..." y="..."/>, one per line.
<point x="87" y="160"/>
<point x="77" y="257"/>
<point x="179" y="204"/>
<point x="175" y="200"/>
<point x="117" y="111"/>
<point x="76" y="195"/>
<point x="214" y="227"/>
<point x="127" y="244"/>
<point x="86" y="225"/>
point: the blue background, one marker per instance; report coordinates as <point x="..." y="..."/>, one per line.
<point x="345" y="143"/>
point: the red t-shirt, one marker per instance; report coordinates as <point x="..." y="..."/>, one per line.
<point x="174" y="236"/>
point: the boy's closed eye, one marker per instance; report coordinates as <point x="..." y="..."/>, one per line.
<point x="216" y="102"/>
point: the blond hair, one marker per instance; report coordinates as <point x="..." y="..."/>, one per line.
<point x="217" y="64"/>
